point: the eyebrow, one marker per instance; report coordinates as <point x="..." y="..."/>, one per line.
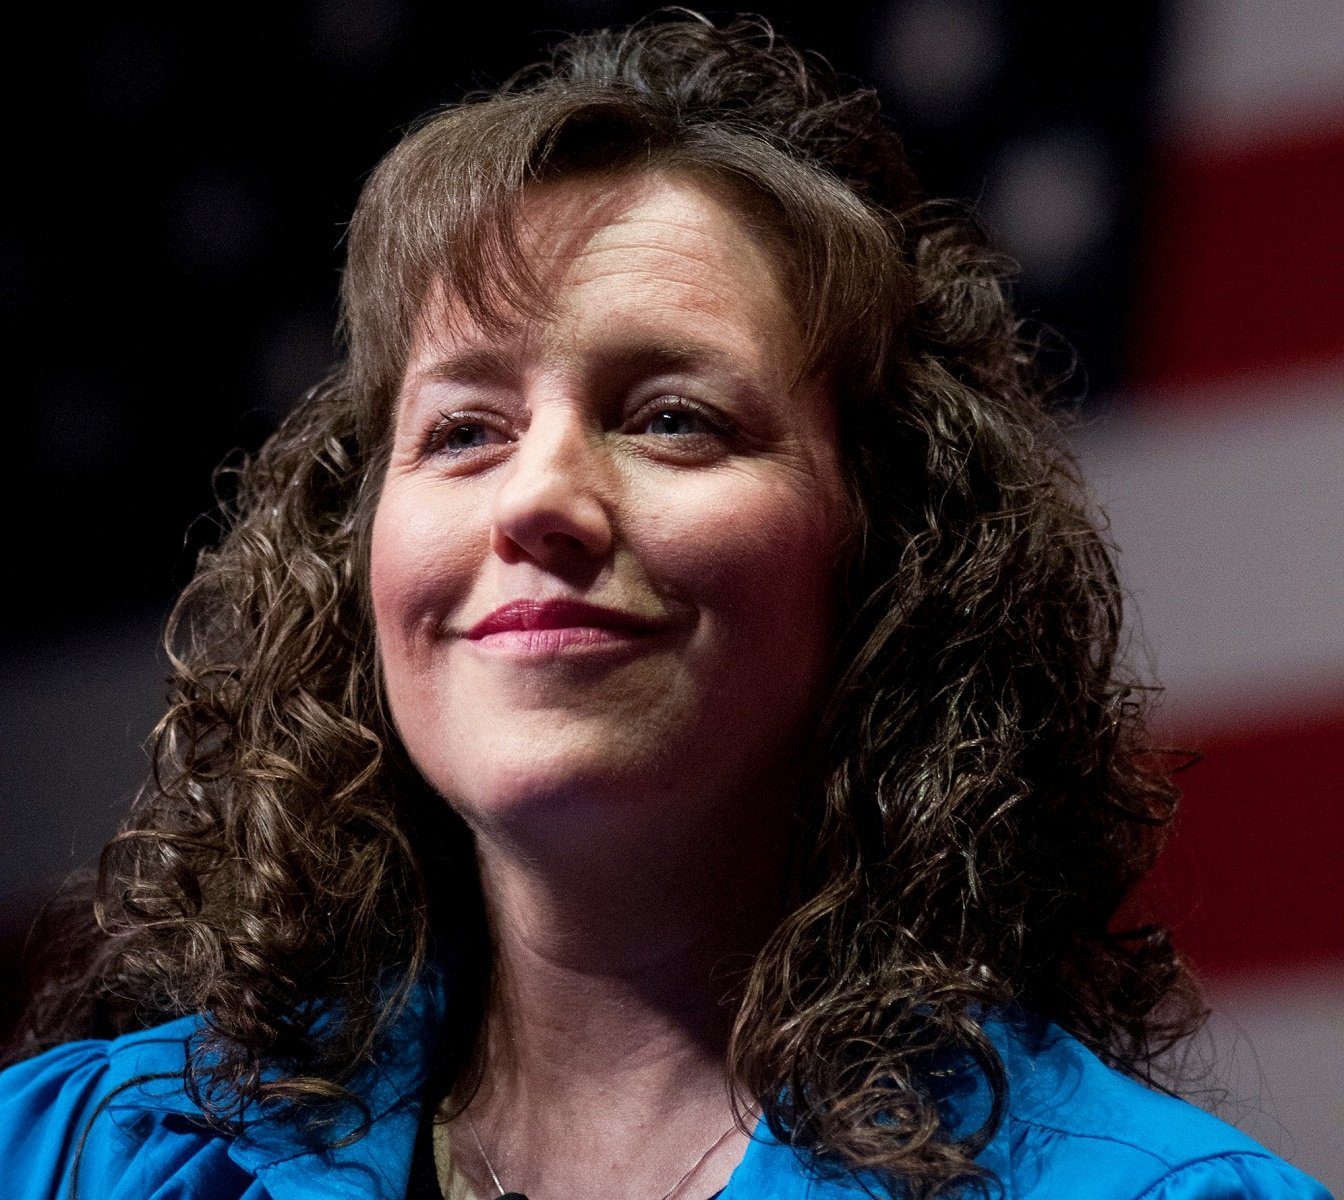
<point x="471" y="364"/>
<point x="493" y="364"/>
<point x="646" y="357"/>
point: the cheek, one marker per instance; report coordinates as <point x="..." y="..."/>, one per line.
<point x="762" y="572"/>
<point x="762" y="553"/>
<point x="419" y="568"/>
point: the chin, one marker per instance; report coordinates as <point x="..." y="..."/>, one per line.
<point x="537" y="796"/>
<point x="576" y="806"/>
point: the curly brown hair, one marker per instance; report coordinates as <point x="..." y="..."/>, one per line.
<point x="984" y="796"/>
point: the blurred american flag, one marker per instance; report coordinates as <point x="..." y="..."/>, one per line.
<point x="1223" y="472"/>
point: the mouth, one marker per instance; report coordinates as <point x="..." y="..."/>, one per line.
<point x="571" y="619"/>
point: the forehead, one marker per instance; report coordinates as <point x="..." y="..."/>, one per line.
<point x="568" y="219"/>
<point x="652" y="251"/>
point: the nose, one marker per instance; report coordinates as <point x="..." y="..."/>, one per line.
<point x="551" y="505"/>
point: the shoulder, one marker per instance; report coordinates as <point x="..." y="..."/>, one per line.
<point x="119" y="1112"/>
<point x="115" y="1111"/>
<point x="1075" y="1126"/>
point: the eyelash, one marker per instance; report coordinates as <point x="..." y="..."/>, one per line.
<point x="716" y="424"/>
<point x="436" y="438"/>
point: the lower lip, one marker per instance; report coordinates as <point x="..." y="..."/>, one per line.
<point x="568" y="640"/>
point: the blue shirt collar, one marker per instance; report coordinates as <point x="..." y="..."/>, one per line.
<point x="149" y="1067"/>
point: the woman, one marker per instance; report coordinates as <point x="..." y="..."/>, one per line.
<point x="653" y="727"/>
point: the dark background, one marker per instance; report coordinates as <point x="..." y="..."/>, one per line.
<point x="181" y="184"/>
<point x="179" y="179"/>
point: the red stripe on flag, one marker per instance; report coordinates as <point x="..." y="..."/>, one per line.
<point x="1254" y="878"/>
<point x="1245" y="260"/>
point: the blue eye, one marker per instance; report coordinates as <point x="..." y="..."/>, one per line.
<point x="677" y="422"/>
<point x="457" y="435"/>
<point x="464" y="437"/>
<point x="677" y="417"/>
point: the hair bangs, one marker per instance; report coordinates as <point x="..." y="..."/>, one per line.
<point x="444" y="210"/>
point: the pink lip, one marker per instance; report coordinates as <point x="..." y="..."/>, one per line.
<point x="530" y="616"/>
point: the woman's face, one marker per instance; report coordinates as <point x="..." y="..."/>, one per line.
<point x="603" y="560"/>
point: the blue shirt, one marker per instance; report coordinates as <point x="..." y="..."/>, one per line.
<point x="1074" y="1129"/>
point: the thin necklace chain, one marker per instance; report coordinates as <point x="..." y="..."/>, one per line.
<point x="485" y="1158"/>
<point x="667" y="1195"/>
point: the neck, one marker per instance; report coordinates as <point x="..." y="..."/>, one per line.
<point x="601" y="957"/>
<point x="617" y="980"/>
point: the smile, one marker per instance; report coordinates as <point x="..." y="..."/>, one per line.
<point x="544" y="627"/>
